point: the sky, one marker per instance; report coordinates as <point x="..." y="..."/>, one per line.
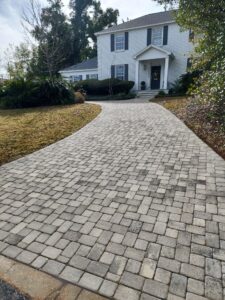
<point x="11" y="31"/>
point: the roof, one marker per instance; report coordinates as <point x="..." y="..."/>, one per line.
<point x="147" y="20"/>
<point x="152" y="47"/>
<point x="84" y="65"/>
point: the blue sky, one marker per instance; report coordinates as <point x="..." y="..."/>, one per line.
<point x="11" y="30"/>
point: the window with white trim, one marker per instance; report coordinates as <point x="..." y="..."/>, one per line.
<point x="119" y="42"/>
<point x="93" y="76"/>
<point x="157" y="36"/>
<point x="120" y="72"/>
<point x="75" y="78"/>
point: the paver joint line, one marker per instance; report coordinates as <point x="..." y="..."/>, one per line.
<point x="131" y="206"/>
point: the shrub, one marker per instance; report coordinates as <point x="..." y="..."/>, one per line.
<point x="79" y="97"/>
<point x="184" y="83"/>
<point x="19" y="93"/>
<point x="143" y="85"/>
<point x="211" y="92"/>
<point x="104" y="87"/>
<point x="161" y="94"/>
<point x="1" y="89"/>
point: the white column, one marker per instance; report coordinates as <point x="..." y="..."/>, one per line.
<point x="166" y="69"/>
<point x="137" y="75"/>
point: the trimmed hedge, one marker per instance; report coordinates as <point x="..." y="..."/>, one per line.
<point x="20" y="93"/>
<point x="104" y="87"/>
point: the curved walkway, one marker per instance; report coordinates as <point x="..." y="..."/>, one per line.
<point x="132" y="206"/>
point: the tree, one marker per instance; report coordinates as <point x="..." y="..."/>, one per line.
<point x="62" y="42"/>
<point x="17" y="59"/>
<point x="50" y="29"/>
<point x="79" y="21"/>
<point x="98" y="20"/>
<point x="87" y="18"/>
<point x="206" y="20"/>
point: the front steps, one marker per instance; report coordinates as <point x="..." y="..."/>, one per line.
<point x="147" y="93"/>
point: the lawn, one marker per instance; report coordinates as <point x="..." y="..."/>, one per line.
<point x="24" y="131"/>
<point x="196" y="118"/>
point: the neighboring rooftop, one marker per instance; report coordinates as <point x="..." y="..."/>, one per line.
<point x="147" y="20"/>
<point x="84" y="65"/>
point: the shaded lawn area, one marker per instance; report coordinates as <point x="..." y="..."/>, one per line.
<point x="196" y="118"/>
<point x="23" y="131"/>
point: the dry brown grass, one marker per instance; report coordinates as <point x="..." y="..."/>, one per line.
<point x="24" y="131"/>
<point x="196" y="118"/>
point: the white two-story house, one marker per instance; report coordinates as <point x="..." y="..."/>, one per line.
<point x="150" y="49"/>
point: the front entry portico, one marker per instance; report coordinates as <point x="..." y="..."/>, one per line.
<point x="152" y="67"/>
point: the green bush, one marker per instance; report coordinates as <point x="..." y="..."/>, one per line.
<point x="19" y="93"/>
<point x="1" y="89"/>
<point x="211" y="92"/>
<point x="161" y="94"/>
<point x="105" y="87"/>
<point x="184" y="83"/>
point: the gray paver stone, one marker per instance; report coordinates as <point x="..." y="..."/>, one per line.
<point x="155" y="288"/>
<point x="124" y="292"/>
<point x="178" y="285"/>
<point x="90" y="281"/>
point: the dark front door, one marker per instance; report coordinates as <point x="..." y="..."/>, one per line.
<point x="155" y="77"/>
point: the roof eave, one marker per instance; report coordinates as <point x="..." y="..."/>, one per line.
<point x="133" y="28"/>
<point x="78" y="70"/>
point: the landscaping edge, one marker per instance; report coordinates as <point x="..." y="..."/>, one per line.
<point x="38" y="285"/>
<point x="199" y="128"/>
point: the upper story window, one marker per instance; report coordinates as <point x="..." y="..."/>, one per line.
<point x="157" y="36"/>
<point x="120" y="72"/>
<point x="119" y="42"/>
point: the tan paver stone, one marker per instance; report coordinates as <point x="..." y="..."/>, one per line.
<point x="29" y="281"/>
<point x="86" y="295"/>
<point x="69" y="292"/>
<point x="5" y="265"/>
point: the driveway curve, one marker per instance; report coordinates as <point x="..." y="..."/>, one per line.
<point x="132" y="207"/>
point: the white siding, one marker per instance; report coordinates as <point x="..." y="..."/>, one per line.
<point x="178" y="44"/>
<point x="66" y="74"/>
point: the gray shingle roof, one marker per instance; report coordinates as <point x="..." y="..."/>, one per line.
<point x="84" y="65"/>
<point x="147" y="20"/>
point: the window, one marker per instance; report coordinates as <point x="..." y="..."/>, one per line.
<point x="93" y="76"/>
<point x="157" y="36"/>
<point x="75" y="78"/>
<point x="119" y="42"/>
<point x="120" y="72"/>
<point x="189" y="63"/>
<point x="191" y="35"/>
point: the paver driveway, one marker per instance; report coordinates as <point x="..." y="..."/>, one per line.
<point x="132" y="206"/>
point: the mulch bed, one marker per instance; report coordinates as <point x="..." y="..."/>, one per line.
<point x="196" y="117"/>
<point x="7" y="292"/>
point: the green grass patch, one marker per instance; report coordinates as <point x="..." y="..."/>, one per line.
<point x="23" y="131"/>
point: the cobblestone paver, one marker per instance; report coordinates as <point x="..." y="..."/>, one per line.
<point x="132" y="207"/>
